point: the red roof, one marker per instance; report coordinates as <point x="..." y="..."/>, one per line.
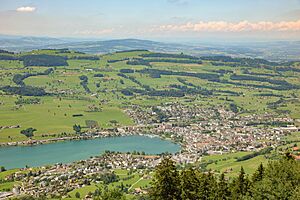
<point x="295" y="148"/>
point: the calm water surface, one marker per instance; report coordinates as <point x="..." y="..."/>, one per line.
<point x="69" y="151"/>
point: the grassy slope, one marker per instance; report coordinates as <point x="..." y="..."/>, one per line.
<point x="54" y="115"/>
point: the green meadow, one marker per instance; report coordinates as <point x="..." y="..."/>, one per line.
<point x="66" y="96"/>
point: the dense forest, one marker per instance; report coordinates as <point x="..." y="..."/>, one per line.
<point x="44" y="60"/>
<point x="277" y="180"/>
<point x="24" y="90"/>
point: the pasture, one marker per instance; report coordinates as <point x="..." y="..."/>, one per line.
<point x="66" y="95"/>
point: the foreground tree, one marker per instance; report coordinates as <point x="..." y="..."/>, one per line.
<point x="166" y="184"/>
<point x="189" y="184"/>
<point x="259" y="174"/>
<point x="240" y="186"/>
<point x="208" y="186"/>
<point x="223" y="191"/>
<point x="280" y="181"/>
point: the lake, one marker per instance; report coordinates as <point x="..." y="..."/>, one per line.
<point x="69" y="151"/>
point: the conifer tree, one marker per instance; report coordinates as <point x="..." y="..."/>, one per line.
<point x="258" y="175"/>
<point x="222" y="192"/>
<point x="166" y="184"/>
<point x="189" y="185"/>
<point x="280" y="181"/>
<point x="207" y="186"/>
<point x="240" y="186"/>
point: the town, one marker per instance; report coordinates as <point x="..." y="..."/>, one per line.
<point x="200" y="131"/>
<point x="212" y="130"/>
<point x="58" y="180"/>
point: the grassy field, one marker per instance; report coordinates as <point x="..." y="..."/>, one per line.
<point x="232" y="167"/>
<point x="67" y="96"/>
<point x="54" y="116"/>
<point x="228" y="164"/>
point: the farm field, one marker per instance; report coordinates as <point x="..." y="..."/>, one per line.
<point x="116" y="81"/>
<point x="150" y="100"/>
<point x="95" y="92"/>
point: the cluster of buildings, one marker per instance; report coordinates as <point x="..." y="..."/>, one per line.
<point x="199" y="130"/>
<point x="215" y="130"/>
<point x="59" y="179"/>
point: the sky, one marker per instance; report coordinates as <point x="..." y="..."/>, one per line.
<point x="153" y="19"/>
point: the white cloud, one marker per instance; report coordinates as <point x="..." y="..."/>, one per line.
<point x="223" y="26"/>
<point x="26" y="9"/>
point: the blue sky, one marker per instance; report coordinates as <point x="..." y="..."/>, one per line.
<point x="153" y="19"/>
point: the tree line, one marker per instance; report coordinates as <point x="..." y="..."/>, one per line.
<point x="264" y="86"/>
<point x="169" y="55"/>
<point x="44" y="60"/>
<point x="23" y="89"/>
<point x="235" y="62"/>
<point x="206" y="76"/>
<point x="84" y="83"/>
<point x="260" y="79"/>
<point x="19" y="78"/>
<point x="138" y="61"/>
<point x="37" y="60"/>
<point x="169" y="60"/>
<point x="85" y="58"/>
<point x="278" y="180"/>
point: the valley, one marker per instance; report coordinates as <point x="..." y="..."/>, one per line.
<point x="224" y="112"/>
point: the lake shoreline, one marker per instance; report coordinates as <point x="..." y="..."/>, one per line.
<point x="81" y="137"/>
<point x="74" y="150"/>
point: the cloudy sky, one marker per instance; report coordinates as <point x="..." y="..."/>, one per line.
<point x="153" y="19"/>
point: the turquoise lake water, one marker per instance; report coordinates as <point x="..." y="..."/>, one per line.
<point x="69" y="151"/>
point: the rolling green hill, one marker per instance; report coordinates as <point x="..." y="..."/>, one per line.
<point x="53" y="89"/>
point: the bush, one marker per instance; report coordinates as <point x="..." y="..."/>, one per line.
<point x="126" y="70"/>
<point x="98" y="75"/>
<point x="127" y="92"/>
<point x="28" y="132"/>
<point x="77" y="195"/>
<point x="2" y="169"/>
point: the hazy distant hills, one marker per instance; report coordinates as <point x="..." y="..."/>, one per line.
<point x="267" y="50"/>
<point x="15" y="43"/>
<point x="109" y="46"/>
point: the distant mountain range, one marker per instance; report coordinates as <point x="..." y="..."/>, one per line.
<point x="276" y="51"/>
